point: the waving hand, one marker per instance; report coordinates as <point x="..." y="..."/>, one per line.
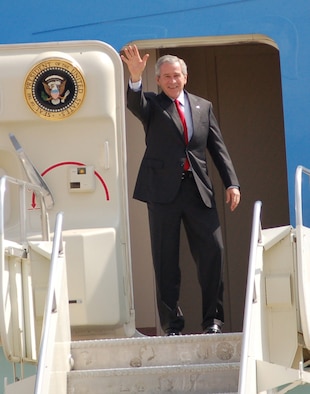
<point x="135" y="63"/>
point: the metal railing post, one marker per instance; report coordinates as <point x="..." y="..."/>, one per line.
<point x="256" y="238"/>
<point x="298" y="198"/>
<point x="50" y="306"/>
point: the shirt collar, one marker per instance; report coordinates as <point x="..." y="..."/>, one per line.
<point x="181" y="98"/>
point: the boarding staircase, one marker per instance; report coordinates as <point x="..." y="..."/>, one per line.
<point x="270" y="356"/>
<point x="183" y="364"/>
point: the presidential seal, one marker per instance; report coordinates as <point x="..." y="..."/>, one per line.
<point x="54" y="88"/>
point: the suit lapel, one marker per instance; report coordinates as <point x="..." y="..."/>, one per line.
<point x="168" y="105"/>
<point x="196" y="112"/>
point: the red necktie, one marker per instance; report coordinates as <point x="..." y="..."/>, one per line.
<point x="182" y="117"/>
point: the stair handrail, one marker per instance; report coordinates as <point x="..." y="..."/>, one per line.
<point x="298" y="198"/>
<point x="303" y="253"/>
<point x="256" y="238"/>
<point x="23" y="186"/>
<point x="50" y="308"/>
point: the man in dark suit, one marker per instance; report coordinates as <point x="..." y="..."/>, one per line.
<point x="173" y="180"/>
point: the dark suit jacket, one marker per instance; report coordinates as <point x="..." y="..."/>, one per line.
<point x="161" y="168"/>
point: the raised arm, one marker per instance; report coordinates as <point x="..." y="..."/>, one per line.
<point x="135" y="63"/>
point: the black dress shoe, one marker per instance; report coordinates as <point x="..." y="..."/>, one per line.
<point x="171" y="332"/>
<point x="214" y="329"/>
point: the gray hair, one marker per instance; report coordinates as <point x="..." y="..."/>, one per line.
<point x="170" y="59"/>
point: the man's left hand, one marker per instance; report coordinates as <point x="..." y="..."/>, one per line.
<point x="233" y="197"/>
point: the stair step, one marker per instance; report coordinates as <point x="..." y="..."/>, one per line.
<point x="199" y="379"/>
<point x="156" y="351"/>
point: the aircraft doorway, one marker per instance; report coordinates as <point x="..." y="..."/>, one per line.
<point x="243" y="82"/>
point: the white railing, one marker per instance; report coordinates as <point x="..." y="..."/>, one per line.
<point x="256" y="370"/>
<point x="51" y="307"/>
<point x="54" y="352"/>
<point x="23" y="187"/>
<point x="298" y="193"/>
<point x="250" y="298"/>
<point x="303" y="256"/>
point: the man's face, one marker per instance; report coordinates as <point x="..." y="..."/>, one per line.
<point x="171" y="79"/>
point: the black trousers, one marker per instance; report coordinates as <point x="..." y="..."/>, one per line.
<point x="205" y="240"/>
